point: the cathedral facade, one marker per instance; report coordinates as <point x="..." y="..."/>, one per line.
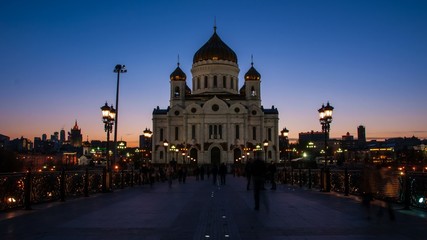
<point x="215" y="121"/>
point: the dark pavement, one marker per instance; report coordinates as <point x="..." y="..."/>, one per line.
<point x="200" y="210"/>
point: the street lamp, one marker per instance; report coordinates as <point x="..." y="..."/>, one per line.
<point x="265" y="143"/>
<point x="108" y="116"/>
<point x="166" y="144"/>
<point x="117" y="69"/>
<point x="284" y="134"/>
<point x="147" y="141"/>
<point x="147" y="133"/>
<point x="325" y="118"/>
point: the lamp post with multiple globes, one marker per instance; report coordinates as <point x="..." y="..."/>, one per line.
<point x="325" y="118"/>
<point x="166" y="144"/>
<point x="108" y="116"/>
<point x="265" y="144"/>
<point x="147" y="143"/>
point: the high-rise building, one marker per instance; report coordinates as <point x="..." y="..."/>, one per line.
<point x="361" y="136"/>
<point x="62" y="136"/>
<point x="76" y="136"/>
<point x="217" y="119"/>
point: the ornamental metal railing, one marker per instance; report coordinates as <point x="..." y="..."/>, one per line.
<point x="22" y="190"/>
<point x="407" y="188"/>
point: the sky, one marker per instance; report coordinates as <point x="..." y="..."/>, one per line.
<point x="367" y="58"/>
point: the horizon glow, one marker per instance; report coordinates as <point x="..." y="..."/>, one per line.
<point x="367" y="58"/>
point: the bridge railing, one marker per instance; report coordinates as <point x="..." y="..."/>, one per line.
<point x="21" y="190"/>
<point x="407" y="188"/>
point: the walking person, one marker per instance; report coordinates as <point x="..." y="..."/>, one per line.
<point x="387" y="189"/>
<point x="222" y="173"/>
<point x="202" y="172"/>
<point x="214" y="173"/>
<point x="169" y="174"/>
<point x="258" y="175"/>
<point x="272" y="174"/>
<point x="248" y="173"/>
<point x="368" y="186"/>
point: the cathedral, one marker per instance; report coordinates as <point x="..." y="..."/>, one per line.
<point x="215" y="121"/>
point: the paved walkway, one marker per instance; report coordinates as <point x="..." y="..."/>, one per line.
<point x="200" y="210"/>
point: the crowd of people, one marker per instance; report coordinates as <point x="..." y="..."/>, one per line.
<point x="259" y="175"/>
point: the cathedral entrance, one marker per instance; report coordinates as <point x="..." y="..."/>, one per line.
<point x="215" y="156"/>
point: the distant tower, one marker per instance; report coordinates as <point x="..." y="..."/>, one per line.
<point x="361" y="136"/>
<point x="54" y="137"/>
<point x="62" y="136"/>
<point x="76" y="136"/>
<point x="44" y="137"/>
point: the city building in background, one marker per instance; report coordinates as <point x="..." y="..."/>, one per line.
<point x="75" y="136"/>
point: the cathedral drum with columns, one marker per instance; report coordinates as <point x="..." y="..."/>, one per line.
<point x="215" y="122"/>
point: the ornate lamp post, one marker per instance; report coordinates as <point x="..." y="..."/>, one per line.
<point x="166" y="144"/>
<point x="265" y="144"/>
<point x="147" y="142"/>
<point x="108" y="116"/>
<point x="284" y="134"/>
<point x="117" y="69"/>
<point x="325" y="118"/>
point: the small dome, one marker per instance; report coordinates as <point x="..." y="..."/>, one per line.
<point x="252" y="74"/>
<point x="178" y="75"/>
<point x="215" y="49"/>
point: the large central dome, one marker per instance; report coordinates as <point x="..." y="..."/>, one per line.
<point x="215" y="49"/>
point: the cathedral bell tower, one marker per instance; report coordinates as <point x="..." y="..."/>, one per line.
<point x="178" y="87"/>
<point x="253" y="85"/>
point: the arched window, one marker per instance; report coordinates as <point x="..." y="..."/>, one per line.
<point x="193" y="131"/>
<point x="232" y="83"/>
<point x="206" y="81"/>
<point x="198" y="83"/>
<point x="215" y="82"/>
<point x="253" y="133"/>
<point x="253" y="92"/>
<point x="176" y="92"/>
<point x="224" y="81"/>
<point x="161" y="134"/>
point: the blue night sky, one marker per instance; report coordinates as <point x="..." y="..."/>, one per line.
<point x="368" y="58"/>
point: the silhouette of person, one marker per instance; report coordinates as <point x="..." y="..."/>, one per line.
<point x="368" y="186"/>
<point x="387" y="190"/>
<point x="258" y="175"/>
<point x="202" y="173"/>
<point x="272" y="174"/>
<point x="222" y="173"/>
<point x="214" y="173"/>
<point x="169" y="174"/>
<point x="248" y="173"/>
